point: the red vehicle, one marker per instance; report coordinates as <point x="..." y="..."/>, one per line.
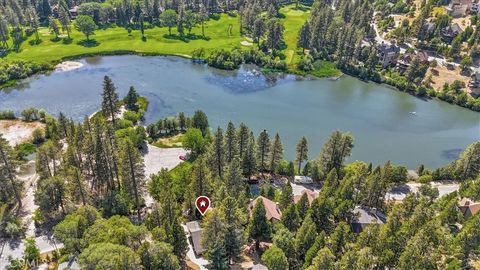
<point x="182" y="158"/>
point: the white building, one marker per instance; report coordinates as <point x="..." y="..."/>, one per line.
<point x="300" y="179"/>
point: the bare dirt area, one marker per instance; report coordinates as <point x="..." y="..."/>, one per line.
<point x="442" y="75"/>
<point x="17" y="131"/>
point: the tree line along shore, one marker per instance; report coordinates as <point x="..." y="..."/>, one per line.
<point x="299" y="37"/>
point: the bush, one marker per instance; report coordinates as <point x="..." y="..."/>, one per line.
<point x="25" y="149"/>
<point x="131" y="116"/>
<point x="7" y="115"/>
<point x="30" y="114"/>
<point x="38" y="136"/>
<point x="123" y="124"/>
<point x="425" y="179"/>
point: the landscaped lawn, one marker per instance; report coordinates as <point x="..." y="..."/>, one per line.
<point x="222" y="33"/>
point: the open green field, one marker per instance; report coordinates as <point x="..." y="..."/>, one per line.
<point x="223" y="33"/>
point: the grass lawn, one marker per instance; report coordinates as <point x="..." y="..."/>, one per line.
<point x="222" y="33"/>
<point x="169" y="142"/>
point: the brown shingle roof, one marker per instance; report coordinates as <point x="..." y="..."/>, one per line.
<point x="271" y="208"/>
<point x="311" y="195"/>
<point x="469" y="207"/>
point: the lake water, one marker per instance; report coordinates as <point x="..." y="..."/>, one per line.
<point x="379" y="118"/>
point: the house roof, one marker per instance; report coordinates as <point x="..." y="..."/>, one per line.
<point x="311" y="195"/>
<point x="259" y="267"/>
<point x="365" y="215"/>
<point x="196" y="236"/>
<point x="469" y="207"/>
<point x="271" y="208"/>
<point x="388" y="48"/>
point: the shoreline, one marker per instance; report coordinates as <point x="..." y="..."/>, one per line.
<point x="295" y="72"/>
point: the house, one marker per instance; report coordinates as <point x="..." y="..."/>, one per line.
<point x="311" y="195"/>
<point x="450" y="32"/>
<point x="195" y="236"/>
<point x="73" y="12"/>
<point x="474" y="84"/>
<point x="387" y="54"/>
<point x="273" y="212"/>
<point x="459" y="8"/>
<point x="469" y="207"/>
<point x="365" y="216"/>
<point x="404" y="61"/>
<point x="258" y="267"/>
<point x="300" y="179"/>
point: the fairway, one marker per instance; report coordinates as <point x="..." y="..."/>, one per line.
<point x="223" y="33"/>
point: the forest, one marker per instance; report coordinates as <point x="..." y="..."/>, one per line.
<point x="92" y="193"/>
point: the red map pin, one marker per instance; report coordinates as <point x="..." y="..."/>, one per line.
<point x="202" y="203"/>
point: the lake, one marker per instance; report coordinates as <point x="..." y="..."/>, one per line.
<point x="387" y="124"/>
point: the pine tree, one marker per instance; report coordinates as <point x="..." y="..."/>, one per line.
<point x="110" y="99"/>
<point x="304" y="37"/>
<point x="231" y="146"/>
<point x="259" y="227"/>
<point x="276" y="153"/>
<point x="290" y="218"/>
<point x="302" y="206"/>
<point x="263" y="148"/>
<point x="302" y="152"/>
<point x="234" y="239"/>
<point x="201" y="180"/>
<point x="335" y="151"/>
<point x="234" y="180"/>
<point x="286" y="198"/>
<point x="242" y="138"/>
<point x="217" y="154"/>
<point x="305" y="237"/>
<point x="249" y="162"/>
<point x="131" y="99"/>
<point x="8" y="171"/>
<point x="132" y="172"/>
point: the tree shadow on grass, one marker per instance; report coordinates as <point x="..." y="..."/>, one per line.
<point x="186" y="38"/>
<point x="55" y="39"/>
<point x="67" y="41"/>
<point x="34" y="42"/>
<point x="88" y="43"/>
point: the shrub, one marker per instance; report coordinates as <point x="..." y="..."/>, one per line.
<point x="131" y="116"/>
<point x="123" y="124"/>
<point x="38" y="136"/>
<point x="30" y="114"/>
<point x="425" y="179"/>
<point x="7" y="115"/>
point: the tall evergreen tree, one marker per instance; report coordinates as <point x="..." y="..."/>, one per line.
<point x="263" y="148"/>
<point x="302" y="152"/>
<point x="132" y="172"/>
<point x="8" y="172"/>
<point x="231" y="145"/>
<point x="276" y="153"/>
<point x="249" y="162"/>
<point x="110" y="99"/>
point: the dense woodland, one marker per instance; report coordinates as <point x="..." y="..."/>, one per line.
<point x="93" y="186"/>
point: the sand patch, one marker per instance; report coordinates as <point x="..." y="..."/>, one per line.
<point x="68" y="65"/>
<point x="17" y="131"/>
<point x="246" y="43"/>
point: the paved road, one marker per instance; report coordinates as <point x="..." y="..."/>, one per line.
<point x="400" y="192"/>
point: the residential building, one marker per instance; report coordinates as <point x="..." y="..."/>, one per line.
<point x="450" y="32"/>
<point x="365" y="216"/>
<point x="195" y="236"/>
<point x="404" y="61"/>
<point x="273" y="212"/>
<point x="459" y="8"/>
<point x="387" y="54"/>
<point x="73" y="12"/>
<point x="474" y="84"/>
<point x="300" y="179"/>
<point x="311" y="195"/>
<point x="469" y="207"/>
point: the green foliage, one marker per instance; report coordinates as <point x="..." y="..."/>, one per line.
<point x="109" y="256"/>
<point x="275" y="259"/>
<point x="7" y="115"/>
<point x="86" y="25"/>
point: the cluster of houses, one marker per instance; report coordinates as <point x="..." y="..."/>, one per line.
<point x="460" y="8"/>
<point x="363" y="217"/>
<point x="389" y="55"/>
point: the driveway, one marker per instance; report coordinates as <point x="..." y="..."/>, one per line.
<point x="157" y="159"/>
<point x="400" y="192"/>
<point x="201" y="262"/>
